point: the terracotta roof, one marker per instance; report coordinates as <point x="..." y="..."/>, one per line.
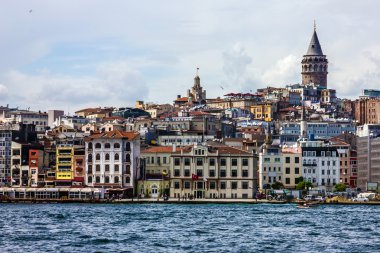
<point x="160" y="149"/>
<point x="116" y="134"/>
<point x="198" y="113"/>
<point x="183" y="99"/>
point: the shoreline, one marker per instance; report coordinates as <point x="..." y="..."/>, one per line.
<point x="173" y="201"/>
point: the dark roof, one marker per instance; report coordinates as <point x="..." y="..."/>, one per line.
<point x="314" y="46"/>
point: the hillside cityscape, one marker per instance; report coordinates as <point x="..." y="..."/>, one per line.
<point x="297" y="140"/>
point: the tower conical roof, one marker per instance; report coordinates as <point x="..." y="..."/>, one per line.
<point x="314" y="46"/>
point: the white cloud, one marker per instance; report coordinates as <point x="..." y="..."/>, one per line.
<point x="285" y="71"/>
<point x="3" y="91"/>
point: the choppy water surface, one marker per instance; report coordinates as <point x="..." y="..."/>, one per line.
<point x="188" y="228"/>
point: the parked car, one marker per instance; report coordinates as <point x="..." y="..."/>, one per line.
<point x="309" y="197"/>
<point x="360" y="199"/>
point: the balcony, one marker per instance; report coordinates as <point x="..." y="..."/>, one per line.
<point x="309" y="164"/>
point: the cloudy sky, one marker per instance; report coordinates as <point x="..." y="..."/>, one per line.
<point x="73" y="54"/>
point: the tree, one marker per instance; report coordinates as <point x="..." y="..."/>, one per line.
<point x="340" y="187"/>
<point x="303" y="185"/>
<point x="277" y="185"/>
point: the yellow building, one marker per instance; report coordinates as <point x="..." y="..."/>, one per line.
<point x="64" y="164"/>
<point x="263" y="111"/>
<point x="292" y="166"/>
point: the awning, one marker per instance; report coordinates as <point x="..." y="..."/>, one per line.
<point x="20" y="189"/>
<point x="30" y="189"/>
<point x="6" y="189"/>
<point x="86" y="190"/>
<point x="75" y="190"/>
<point x="63" y="189"/>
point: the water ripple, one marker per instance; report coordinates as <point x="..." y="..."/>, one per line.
<point x="187" y="228"/>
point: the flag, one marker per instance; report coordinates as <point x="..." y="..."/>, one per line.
<point x="194" y="177"/>
<point x="205" y="179"/>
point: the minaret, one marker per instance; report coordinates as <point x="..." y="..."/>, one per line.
<point x="314" y="63"/>
<point x="303" y="124"/>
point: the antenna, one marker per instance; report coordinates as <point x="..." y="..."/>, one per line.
<point x="315" y="26"/>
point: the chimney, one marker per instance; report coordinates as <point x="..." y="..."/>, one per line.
<point x="178" y="96"/>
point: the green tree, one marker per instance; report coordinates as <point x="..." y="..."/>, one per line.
<point x="277" y="185"/>
<point x="340" y="187"/>
<point x="303" y="185"/>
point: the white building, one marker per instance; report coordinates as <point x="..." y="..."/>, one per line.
<point x="112" y="159"/>
<point x="320" y="164"/>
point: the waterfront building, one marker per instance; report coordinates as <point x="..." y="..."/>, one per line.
<point x="112" y="160"/>
<point x="212" y="172"/>
<point x="368" y="161"/>
<point x="155" y="176"/>
<point x="320" y="164"/>
<point x="37" y="175"/>
<point x="344" y="151"/>
<point x="64" y="174"/>
<point x="270" y="165"/>
<point x="292" y="166"/>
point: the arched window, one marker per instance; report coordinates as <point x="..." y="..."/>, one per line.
<point x="107" y="157"/>
<point x="128" y="146"/>
<point x="320" y="68"/>
<point x="310" y="67"/>
<point x="89" y="180"/>
<point x="98" y="145"/>
<point x="116" y="145"/>
<point x="97" y="158"/>
<point x="97" y="180"/>
<point x="325" y="69"/>
<point x="315" y="68"/>
<point x="116" y="180"/>
<point x="107" y="145"/>
<point x="127" y="180"/>
<point x="89" y="158"/>
<point x="116" y="157"/>
<point x="128" y="169"/>
<point x="128" y="158"/>
<point x="89" y="145"/>
<point x="107" y="179"/>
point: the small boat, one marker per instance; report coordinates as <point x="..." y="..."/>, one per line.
<point x="304" y="206"/>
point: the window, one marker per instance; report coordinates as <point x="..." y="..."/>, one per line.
<point x="212" y="162"/>
<point x="287" y="159"/>
<point x="245" y="162"/>
<point x="128" y="146"/>
<point x="116" y="180"/>
<point x="164" y="160"/>
<point x="107" y="179"/>
<point x="199" y="161"/>
<point x="287" y="170"/>
<point x="296" y="160"/>
<point x="128" y="158"/>
<point x="89" y="158"/>
<point x="97" y="168"/>
<point x="212" y="185"/>
<point x="223" y="162"/>
<point x="287" y="180"/>
<point x="116" y="157"/>
<point x="97" y="180"/>
<point x="97" y="158"/>
<point x="200" y="173"/>
<point x="128" y="169"/>
<point x="187" y="173"/>
<point x="234" y="162"/>
<point x="187" y="185"/>
<point x="323" y="163"/>
<point x="90" y="147"/>
<point x="176" y="185"/>
<point x="127" y="180"/>
<point x="116" y="145"/>
<point x="107" y="168"/>
<point x="277" y="159"/>
<point x="176" y="161"/>
<point x="233" y="173"/>
<point x="98" y="145"/>
<point x="89" y="169"/>
<point x="107" y="157"/>
<point x="116" y="168"/>
<point x="222" y="173"/>
<point x="107" y="145"/>
<point x="89" y="179"/>
<point x="244" y="173"/>
<point x="266" y="159"/>
<point x="187" y="162"/>
<point x="223" y="185"/>
<point x="211" y="173"/>
<point x="233" y="185"/>
<point x="244" y="185"/>
<point x="176" y="173"/>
